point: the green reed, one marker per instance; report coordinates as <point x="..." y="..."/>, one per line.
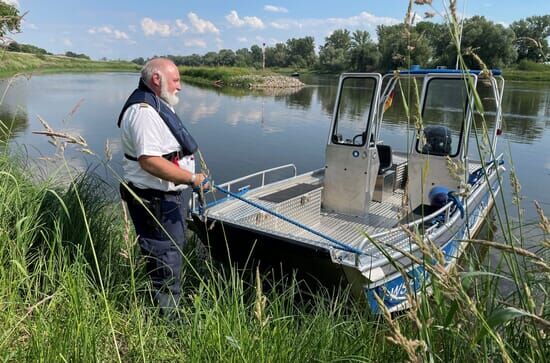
<point x="72" y="288"/>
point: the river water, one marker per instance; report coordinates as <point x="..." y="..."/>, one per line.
<point x="240" y="132"/>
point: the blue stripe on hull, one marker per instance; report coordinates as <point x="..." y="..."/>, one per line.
<point x="393" y="293"/>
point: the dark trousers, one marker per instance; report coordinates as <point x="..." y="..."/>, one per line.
<point x="161" y="235"/>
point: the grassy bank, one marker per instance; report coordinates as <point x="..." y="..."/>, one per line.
<point x="12" y="63"/>
<point x="528" y="71"/>
<point x="236" y="77"/>
<point x="231" y="76"/>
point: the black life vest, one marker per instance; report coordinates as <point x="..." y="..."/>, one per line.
<point x="143" y="94"/>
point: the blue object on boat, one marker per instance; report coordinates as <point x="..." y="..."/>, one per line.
<point x="454" y="198"/>
<point x="415" y="69"/>
<point x="438" y="196"/>
<point x="476" y="175"/>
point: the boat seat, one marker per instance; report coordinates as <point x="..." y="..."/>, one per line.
<point x="385" y="180"/>
<point x="384" y="154"/>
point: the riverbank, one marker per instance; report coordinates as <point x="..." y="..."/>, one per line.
<point x="238" y="77"/>
<point x="528" y="71"/>
<point x="12" y="63"/>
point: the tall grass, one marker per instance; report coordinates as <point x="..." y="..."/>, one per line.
<point x="53" y="306"/>
<point x="470" y="315"/>
<point x="72" y="288"/>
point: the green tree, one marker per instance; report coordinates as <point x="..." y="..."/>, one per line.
<point x="334" y="54"/>
<point x="140" y="61"/>
<point x="493" y="43"/>
<point x="532" y="38"/>
<point x="10" y="19"/>
<point x="76" y="55"/>
<point x="439" y="39"/>
<point x="402" y="47"/>
<point x="364" y="54"/>
<point x="226" y="57"/>
<point x="193" y="60"/>
<point x="332" y="59"/>
<point x="301" y="52"/>
<point x="339" y="39"/>
<point x="210" y="59"/>
<point x="243" y="58"/>
<point x="276" y="56"/>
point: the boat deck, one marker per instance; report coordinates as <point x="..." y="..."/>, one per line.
<point x="305" y="208"/>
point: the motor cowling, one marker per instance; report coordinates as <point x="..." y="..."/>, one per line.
<point x="438" y="140"/>
<point x="438" y="196"/>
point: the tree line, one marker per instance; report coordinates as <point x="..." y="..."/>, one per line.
<point x="427" y="43"/>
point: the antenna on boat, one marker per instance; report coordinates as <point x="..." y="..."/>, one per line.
<point x="460" y="35"/>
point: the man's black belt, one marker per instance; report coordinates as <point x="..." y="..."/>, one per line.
<point x="168" y="157"/>
<point x="147" y="194"/>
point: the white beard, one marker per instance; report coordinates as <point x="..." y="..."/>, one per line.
<point x="171" y="98"/>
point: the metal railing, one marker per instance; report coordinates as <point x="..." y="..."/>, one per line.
<point x="264" y="173"/>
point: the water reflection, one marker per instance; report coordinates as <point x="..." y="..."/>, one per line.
<point x="12" y="123"/>
<point x="526" y="111"/>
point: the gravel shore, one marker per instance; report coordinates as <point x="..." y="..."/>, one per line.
<point x="272" y="81"/>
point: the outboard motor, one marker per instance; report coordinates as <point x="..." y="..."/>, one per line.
<point x="438" y="140"/>
<point x="438" y="196"/>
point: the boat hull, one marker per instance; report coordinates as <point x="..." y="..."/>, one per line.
<point x="249" y="248"/>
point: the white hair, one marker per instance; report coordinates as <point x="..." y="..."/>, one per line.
<point x="148" y="70"/>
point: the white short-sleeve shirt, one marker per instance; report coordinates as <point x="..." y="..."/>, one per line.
<point x="143" y="132"/>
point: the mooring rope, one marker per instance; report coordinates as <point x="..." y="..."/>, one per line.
<point x="339" y="245"/>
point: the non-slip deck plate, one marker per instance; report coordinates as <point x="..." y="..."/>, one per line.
<point x="292" y="192"/>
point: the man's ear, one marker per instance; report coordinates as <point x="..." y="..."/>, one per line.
<point x="155" y="79"/>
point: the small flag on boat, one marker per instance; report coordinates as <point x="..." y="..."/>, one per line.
<point x="389" y="101"/>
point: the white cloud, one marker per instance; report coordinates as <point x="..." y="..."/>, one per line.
<point x="11" y="2"/>
<point x="195" y="43"/>
<point x="282" y="26"/>
<point x="275" y="9"/>
<point x="251" y="21"/>
<point x="67" y="42"/>
<point x="181" y="26"/>
<point x="201" y="25"/>
<point x="151" y="27"/>
<point x="364" y="19"/>
<point x="242" y="39"/>
<point x="114" y="33"/>
<point x="120" y="35"/>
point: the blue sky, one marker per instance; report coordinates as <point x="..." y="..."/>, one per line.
<point x="126" y="29"/>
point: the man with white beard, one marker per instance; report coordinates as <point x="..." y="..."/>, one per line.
<point x="159" y="167"/>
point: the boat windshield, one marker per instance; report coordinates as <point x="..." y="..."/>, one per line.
<point x="443" y="116"/>
<point x="354" y="111"/>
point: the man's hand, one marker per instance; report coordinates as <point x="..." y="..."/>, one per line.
<point x="199" y="179"/>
